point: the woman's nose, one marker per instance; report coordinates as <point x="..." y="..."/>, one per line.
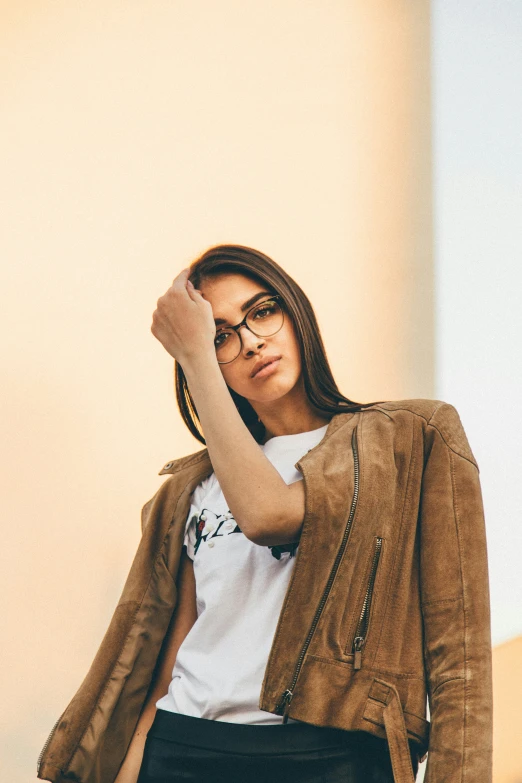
<point x="250" y="340"/>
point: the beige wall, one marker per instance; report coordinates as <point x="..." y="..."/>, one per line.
<point x="138" y="134"/>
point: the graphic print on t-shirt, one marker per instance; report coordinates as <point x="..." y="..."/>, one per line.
<point x="209" y="525"/>
<point x="240" y="591"/>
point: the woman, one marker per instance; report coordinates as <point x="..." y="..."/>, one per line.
<point x="303" y="583"/>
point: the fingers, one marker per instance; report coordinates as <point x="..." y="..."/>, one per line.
<point x="181" y="280"/>
<point x="182" y="284"/>
<point x="192" y="292"/>
<point x="190" y="285"/>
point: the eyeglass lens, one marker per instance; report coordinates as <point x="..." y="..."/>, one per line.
<point x="263" y="320"/>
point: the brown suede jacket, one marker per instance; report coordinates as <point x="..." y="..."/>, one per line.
<point x="388" y="603"/>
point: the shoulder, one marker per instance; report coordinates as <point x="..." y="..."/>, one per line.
<point x="434" y="416"/>
<point x="178" y="474"/>
<point x="423" y="408"/>
<point x="182" y="463"/>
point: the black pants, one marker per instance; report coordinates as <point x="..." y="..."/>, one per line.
<point x="183" y="748"/>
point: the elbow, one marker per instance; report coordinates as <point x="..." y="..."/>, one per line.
<point x="277" y="533"/>
<point x="265" y="539"/>
<point x="281" y="524"/>
<point x="263" y="532"/>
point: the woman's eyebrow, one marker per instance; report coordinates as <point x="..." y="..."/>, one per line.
<point x="246" y="305"/>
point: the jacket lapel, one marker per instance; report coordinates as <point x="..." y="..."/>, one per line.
<point x="329" y="463"/>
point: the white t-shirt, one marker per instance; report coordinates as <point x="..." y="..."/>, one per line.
<point x="240" y="588"/>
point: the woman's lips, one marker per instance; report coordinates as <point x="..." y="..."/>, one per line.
<point x="268" y="369"/>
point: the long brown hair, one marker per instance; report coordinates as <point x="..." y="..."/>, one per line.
<point x="319" y="383"/>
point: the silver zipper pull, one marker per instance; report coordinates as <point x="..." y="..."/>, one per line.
<point x="283" y="706"/>
<point x="358" y="643"/>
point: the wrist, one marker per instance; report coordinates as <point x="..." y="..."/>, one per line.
<point x="203" y="361"/>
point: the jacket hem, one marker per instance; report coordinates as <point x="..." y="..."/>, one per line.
<point x="362" y="701"/>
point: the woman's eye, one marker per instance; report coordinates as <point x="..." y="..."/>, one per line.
<point x="223" y="335"/>
<point x="264" y="309"/>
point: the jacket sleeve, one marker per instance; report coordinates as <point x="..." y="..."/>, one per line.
<point x="454" y="585"/>
<point x="145" y="513"/>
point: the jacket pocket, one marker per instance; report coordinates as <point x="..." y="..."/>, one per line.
<point x="363" y="620"/>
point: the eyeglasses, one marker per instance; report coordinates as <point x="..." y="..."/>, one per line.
<point x="263" y="320"/>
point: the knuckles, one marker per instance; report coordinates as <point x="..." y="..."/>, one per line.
<point x="173" y="293"/>
<point x="164" y="303"/>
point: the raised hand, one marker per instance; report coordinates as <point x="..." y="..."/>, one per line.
<point x="183" y="321"/>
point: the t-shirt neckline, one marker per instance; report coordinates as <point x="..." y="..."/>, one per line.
<point x="294" y="436"/>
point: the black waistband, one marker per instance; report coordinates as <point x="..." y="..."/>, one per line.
<point x="257" y="739"/>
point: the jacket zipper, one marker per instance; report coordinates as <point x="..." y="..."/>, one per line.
<point x="362" y="626"/>
<point x="47" y="741"/>
<point x="287" y="695"/>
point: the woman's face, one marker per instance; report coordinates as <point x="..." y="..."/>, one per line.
<point x="227" y="294"/>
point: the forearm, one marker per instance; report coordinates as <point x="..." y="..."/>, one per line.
<point x="460" y="743"/>
<point x="255" y="492"/>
